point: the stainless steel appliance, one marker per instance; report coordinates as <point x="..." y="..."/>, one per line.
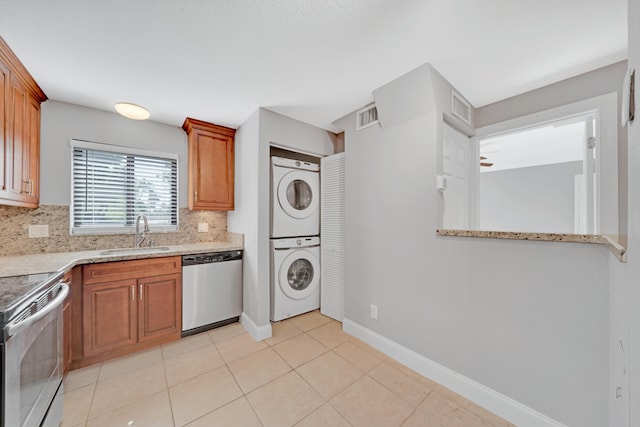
<point x="32" y="351"/>
<point x="211" y="290"/>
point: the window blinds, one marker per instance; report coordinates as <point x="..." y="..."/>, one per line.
<point x="110" y="189"/>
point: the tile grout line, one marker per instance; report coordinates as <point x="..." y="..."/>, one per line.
<point x="164" y="358"/>
<point x="93" y="394"/>
<point x="361" y="346"/>
<point x="166" y="381"/>
<point x="244" y="395"/>
<point x="414" y="408"/>
<point x="226" y="365"/>
<point x="326" y="401"/>
<point x="128" y="402"/>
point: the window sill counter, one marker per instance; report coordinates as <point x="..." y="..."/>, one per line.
<point x="616" y="249"/>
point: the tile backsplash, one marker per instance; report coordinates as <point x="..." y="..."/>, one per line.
<point x="15" y="222"/>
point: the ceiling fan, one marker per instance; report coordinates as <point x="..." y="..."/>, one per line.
<point x="485" y="164"/>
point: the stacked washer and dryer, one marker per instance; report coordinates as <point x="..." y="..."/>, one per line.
<point x="295" y="241"/>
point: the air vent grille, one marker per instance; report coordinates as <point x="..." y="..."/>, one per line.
<point x="460" y="108"/>
<point x="366" y="117"/>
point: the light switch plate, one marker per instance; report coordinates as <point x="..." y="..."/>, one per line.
<point x="38" y="231"/>
<point x="203" y="227"/>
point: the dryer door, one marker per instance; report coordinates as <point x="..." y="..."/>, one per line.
<point x="297" y="193"/>
<point x="299" y="274"/>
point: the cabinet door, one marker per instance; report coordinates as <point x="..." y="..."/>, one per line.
<point x="18" y="141"/>
<point x="5" y="152"/>
<point x="25" y="143"/>
<point x="109" y="314"/>
<point x="160" y="307"/>
<point x="31" y="153"/>
<point x="211" y="170"/>
<point x="20" y="98"/>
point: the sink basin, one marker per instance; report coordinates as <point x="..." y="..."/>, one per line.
<point x="134" y="250"/>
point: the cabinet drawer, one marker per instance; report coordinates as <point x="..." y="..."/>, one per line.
<point x="120" y="270"/>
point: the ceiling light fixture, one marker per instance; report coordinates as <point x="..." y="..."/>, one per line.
<point x="132" y="111"/>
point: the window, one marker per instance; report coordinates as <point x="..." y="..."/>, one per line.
<point x="541" y="178"/>
<point x="554" y="171"/>
<point x="112" y="185"/>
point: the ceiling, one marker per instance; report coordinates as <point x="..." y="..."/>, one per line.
<point x="314" y="60"/>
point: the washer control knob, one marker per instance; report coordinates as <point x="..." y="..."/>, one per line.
<point x="298" y="164"/>
<point x="298" y="242"/>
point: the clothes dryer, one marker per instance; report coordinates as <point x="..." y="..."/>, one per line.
<point x="295" y="276"/>
<point x="295" y="198"/>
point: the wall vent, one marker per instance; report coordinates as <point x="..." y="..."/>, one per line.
<point x="460" y="108"/>
<point x="366" y="117"/>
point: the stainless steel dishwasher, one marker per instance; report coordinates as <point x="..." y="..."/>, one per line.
<point x="211" y="290"/>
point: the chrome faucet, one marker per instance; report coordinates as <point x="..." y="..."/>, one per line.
<point x="139" y="238"/>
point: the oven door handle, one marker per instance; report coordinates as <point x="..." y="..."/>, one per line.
<point x="14" y="328"/>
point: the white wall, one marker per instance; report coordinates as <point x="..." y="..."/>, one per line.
<point x="527" y="319"/>
<point x="62" y="122"/>
<point x="631" y="295"/>
<point x="534" y="199"/>
<point x="243" y="218"/>
<point x="256" y="135"/>
<point x="625" y="289"/>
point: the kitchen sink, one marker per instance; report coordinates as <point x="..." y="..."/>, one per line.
<point x="134" y="250"/>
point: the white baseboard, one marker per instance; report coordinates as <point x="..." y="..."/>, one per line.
<point x="258" y="333"/>
<point x="501" y="405"/>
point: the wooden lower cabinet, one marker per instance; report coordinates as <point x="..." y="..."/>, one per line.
<point x="109" y="312"/>
<point x="159" y="307"/>
<point x="127" y="306"/>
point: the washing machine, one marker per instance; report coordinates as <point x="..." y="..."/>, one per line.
<point x="295" y="276"/>
<point x="295" y="198"/>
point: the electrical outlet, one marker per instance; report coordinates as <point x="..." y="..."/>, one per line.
<point x="38" y="231"/>
<point x="203" y="227"/>
<point x="374" y="312"/>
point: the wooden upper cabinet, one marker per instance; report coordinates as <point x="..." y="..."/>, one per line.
<point x="211" y="165"/>
<point x="31" y="159"/>
<point x="5" y="151"/>
<point x="20" y="99"/>
<point x="17" y="122"/>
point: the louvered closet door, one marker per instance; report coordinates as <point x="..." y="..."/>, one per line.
<point x="332" y="236"/>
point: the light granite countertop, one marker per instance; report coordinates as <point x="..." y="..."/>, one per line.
<point x="616" y="248"/>
<point x="62" y="261"/>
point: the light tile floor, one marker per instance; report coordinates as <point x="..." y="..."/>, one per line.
<point x="308" y="374"/>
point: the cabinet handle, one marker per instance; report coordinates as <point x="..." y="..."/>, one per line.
<point x="195" y="195"/>
<point x="133" y="292"/>
<point x="141" y="292"/>
<point x="30" y="187"/>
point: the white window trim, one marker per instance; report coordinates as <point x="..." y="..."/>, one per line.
<point x="606" y="106"/>
<point x="77" y="143"/>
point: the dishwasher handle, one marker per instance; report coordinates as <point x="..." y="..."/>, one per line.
<point x="210" y="258"/>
